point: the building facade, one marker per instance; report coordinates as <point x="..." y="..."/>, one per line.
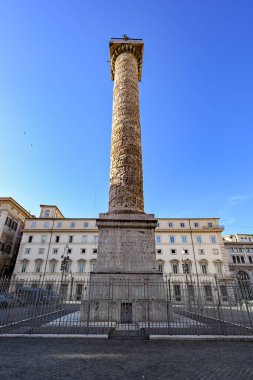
<point x="239" y="252"/>
<point x="12" y="217"/>
<point x="51" y="237"/>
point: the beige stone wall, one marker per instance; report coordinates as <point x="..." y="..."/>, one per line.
<point x="126" y="181"/>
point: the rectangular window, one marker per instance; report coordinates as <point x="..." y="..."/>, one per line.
<point x="196" y="225"/>
<point x="224" y="292"/>
<point x="69" y="250"/>
<point x="46" y="224"/>
<point x="218" y="267"/>
<point x="84" y="238"/>
<point x="43" y="239"/>
<point x="33" y="225"/>
<point x="57" y="239"/>
<point x="184" y="239"/>
<point x="94" y="250"/>
<point x="52" y="267"/>
<point x="213" y="239"/>
<point x="201" y="251"/>
<point x="158" y="239"/>
<point x="72" y="224"/>
<point x="215" y="251"/>
<point x="170" y="224"/>
<point x="86" y="224"/>
<point x="30" y="239"/>
<point x="172" y="239"/>
<point x="95" y="238"/>
<point x="81" y="267"/>
<point x="158" y="224"/>
<point x="185" y="251"/>
<point x="38" y="266"/>
<point x="199" y="239"/>
<point x="173" y="251"/>
<point x="70" y="239"/>
<point x="83" y="250"/>
<point x="24" y="267"/>
<point x="55" y="251"/>
<point x="208" y="292"/>
<point x="41" y="251"/>
<point x="27" y="251"/>
<point x="159" y="251"/>
<point x="182" y="225"/>
<point x="210" y="224"/>
<point x="59" y="224"/>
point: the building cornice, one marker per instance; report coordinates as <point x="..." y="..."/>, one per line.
<point x="10" y="201"/>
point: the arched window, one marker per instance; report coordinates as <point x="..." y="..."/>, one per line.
<point x="47" y="213"/>
<point x="250" y="259"/>
<point x="234" y="260"/>
<point x="52" y="266"/>
<point x="204" y="266"/>
<point x="218" y="267"/>
<point x="238" y="259"/>
<point x="93" y="265"/>
<point x="242" y="259"/>
<point x="160" y="266"/>
<point x="38" y="266"/>
<point x="24" y="265"/>
<point x="174" y="266"/>
<point x="81" y="266"/>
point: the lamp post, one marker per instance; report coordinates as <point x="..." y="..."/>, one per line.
<point x="64" y="264"/>
<point x="186" y="270"/>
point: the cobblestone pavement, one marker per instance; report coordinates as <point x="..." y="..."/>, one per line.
<point x="49" y="358"/>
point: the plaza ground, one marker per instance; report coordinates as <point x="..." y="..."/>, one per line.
<point x="76" y="358"/>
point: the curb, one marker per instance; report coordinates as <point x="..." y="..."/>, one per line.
<point x="222" y="338"/>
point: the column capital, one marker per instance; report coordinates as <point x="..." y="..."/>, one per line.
<point x="126" y="45"/>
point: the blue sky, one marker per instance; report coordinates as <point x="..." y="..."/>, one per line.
<point x="196" y="100"/>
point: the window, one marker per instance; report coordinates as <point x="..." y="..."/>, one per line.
<point x="208" y="292"/>
<point x="234" y="260"/>
<point x="238" y="259"/>
<point x="184" y="239"/>
<point x="69" y="250"/>
<point x="250" y="259"/>
<point x="84" y="238"/>
<point x="203" y="268"/>
<point x="185" y="251"/>
<point x="94" y="250"/>
<point x="83" y="250"/>
<point x="182" y="225"/>
<point x="158" y="239"/>
<point x="93" y="266"/>
<point x="24" y="266"/>
<point x="30" y="239"/>
<point x="170" y="224"/>
<point x="173" y="251"/>
<point x="46" y="225"/>
<point x="41" y="251"/>
<point x="57" y="239"/>
<point x="215" y="251"/>
<point x="47" y="213"/>
<point x="159" y="251"/>
<point x="198" y="239"/>
<point x="218" y="267"/>
<point x="177" y="292"/>
<point x="224" y="292"/>
<point x="8" y="249"/>
<point x="242" y="259"/>
<point x="201" y="251"/>
<point x="81" y="267"/>
<point x="172" y="239"/>
<point x="38" y="266"/>
<point x="210" y="224"/>
<point x="196" y="225"/>
<point x="160" y="266"/>
<point x="27" y="251"/>
<point x="52" y="266"/>
<point x="55" y="251"/>
<point x="86" y="224"/>
<point x="33" y="224"/>
<point x="95" y="238"/>
<point x="72" y="224"/>
<point x="158" y="224"/>
<point x="43" y="239"/>
<point x="59" y="224"/>
<point x="175" y="268"/>
<point x="213" y="239"/>
<point x="70" y="239"/>
<point x="14" y="226"/>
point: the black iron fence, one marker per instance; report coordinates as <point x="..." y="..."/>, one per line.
<point x="126" y="307"/>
